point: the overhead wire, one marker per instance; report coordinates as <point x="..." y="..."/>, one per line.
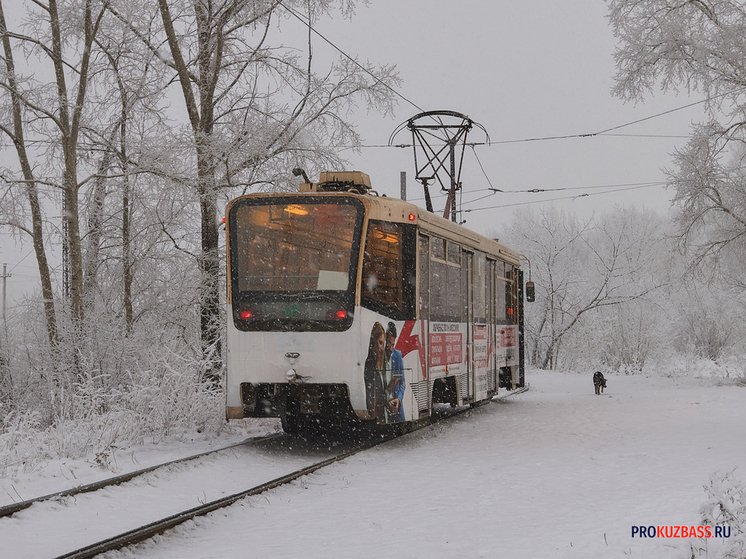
<point x="307" y="23"/>
<point x="605" y="132"/>
<point x="631" y="186"/>
<point x="644" y="185"/>
<point x="473" y="145"/>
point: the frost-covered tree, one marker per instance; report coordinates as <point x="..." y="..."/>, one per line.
<point x="582" y="269"/>
<point x="695" y="46"/>
<point x="150" y="107"/>
<point x="63" y="63"/>
<point x="254" y="103"/>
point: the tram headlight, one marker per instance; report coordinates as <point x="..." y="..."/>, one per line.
<point x="291" y="375"/>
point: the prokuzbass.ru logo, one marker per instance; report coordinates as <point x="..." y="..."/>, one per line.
<point x="681" y="531"/>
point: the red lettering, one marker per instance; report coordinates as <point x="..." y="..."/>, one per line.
<point x="708" y="531"/>
<point x="676" y="531"/>
<point x="508" y="337"/>
<point x="445" y="349"/>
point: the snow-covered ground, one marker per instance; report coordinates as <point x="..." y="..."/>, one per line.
<point x="556" y="472"/>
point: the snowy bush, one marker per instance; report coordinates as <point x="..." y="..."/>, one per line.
<point x="725" y="507"/>
<point x="156" y="404"/>
<point x="117" y="392"/>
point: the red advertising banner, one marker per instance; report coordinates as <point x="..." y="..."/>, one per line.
<point x="507" y="336"/>
<point x="445" y="349"/>
<point x="481" y="348"/>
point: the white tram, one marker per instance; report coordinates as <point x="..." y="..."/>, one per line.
<point x="345" y="307"/>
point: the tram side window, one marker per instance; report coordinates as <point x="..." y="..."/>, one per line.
<point x="466" y="271"/>
<point x="439" y="248"/>
<point x="511" y="294"/>
<point x="445" y="281"/>
<point x="424" y="277"/>
<point x="389" y="270"/>
<point x="490" y="306"/>
<point x="479" y="287"/>
<point x="501" y="290"/>
<point x="454" y="254"/>
<point x="438" y="290"/>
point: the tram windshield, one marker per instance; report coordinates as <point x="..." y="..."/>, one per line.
<point x="293" y="262"/>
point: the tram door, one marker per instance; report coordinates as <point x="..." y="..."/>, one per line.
<point x="491" y="330"/>
<point x="479" y="330"/>
<point x="467" y="282"/>
<point x="422" y="388"/>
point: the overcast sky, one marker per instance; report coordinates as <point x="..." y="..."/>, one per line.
<point x="524" y="71"/>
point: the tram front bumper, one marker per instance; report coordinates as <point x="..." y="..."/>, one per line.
<point x="272" y="399"/>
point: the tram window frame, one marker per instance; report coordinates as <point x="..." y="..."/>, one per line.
<point x="308" y="307"/>
<point x="511" y="294"/>
<point x="490" y="305"/>
<point x="424" y="277"/>
<point x="437" y="248"/>
<point x="445" y="280"/>
<point x="480" y="265"/>
<point x="403" y="304"/>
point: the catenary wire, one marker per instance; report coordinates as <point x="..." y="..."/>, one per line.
<point x="307" y="23"/>
<point x="556" y="199"/>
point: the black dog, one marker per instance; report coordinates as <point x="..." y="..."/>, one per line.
<point x="599" y="382"/>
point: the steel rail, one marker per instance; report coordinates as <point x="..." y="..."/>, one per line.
<point x="13" y="508"/>
<point x="512" y="393"/>
<point x="144" y="532"/>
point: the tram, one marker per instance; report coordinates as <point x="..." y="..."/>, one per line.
<point x="349" y="308"/>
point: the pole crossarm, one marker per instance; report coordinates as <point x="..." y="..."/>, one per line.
<point x="439" y="142"/>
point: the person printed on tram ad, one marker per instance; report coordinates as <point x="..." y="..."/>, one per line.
<point x="375" y="369"/>
<point x="395" y="382"/>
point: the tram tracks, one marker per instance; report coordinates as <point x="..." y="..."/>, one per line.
<point x="293" y="452"/>
<point x="148" y="531"/>
<point x="121" y="514"/>
<point x="7" y="510"/>
<point x="145" y="532"/>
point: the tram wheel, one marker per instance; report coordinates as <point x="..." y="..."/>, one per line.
<point x="289" y="424"/>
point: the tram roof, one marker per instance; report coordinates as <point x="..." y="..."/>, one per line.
<point x="386" y="208"/>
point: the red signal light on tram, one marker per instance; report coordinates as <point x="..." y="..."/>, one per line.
<point x="412" y="217"/>
<point x="341" y="314"/>
<point x="246" y="315"/>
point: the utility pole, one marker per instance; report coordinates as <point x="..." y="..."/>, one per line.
<point x="452" y="174"/>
